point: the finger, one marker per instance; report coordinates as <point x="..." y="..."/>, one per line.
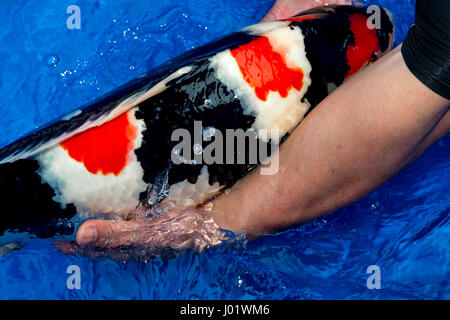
<point x="189" y="229"/>
<point x="109" y="233"/>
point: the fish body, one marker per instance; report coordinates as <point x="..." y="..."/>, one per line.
<point x="118" y="154"/>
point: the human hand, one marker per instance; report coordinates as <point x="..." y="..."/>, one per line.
<point x="191" y="229"/>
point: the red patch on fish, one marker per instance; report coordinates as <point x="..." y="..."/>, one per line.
<point x="105" y="148"/>
<point x="265" y="70"/>
<point x="300" y="18"/>
<point x="366" y="43"/>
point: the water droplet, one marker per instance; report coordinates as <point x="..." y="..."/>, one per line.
<point x="197" y="148"/>
<point x="208" y="133"/>
<point x="207" y="103"/>
<point x="177" y="154"/>
<point x="52" y="60"/>
<point x="171" y="204"/>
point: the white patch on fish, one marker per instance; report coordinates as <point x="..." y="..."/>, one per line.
<point x="264" y="27"/>
<point x="95" y="194"/>
<point x="72" y="115"/>
<point x="185" y="195"/>
<point x="276" y="112"/>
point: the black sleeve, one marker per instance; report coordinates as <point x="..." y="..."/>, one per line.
<point x="426" y="49"/>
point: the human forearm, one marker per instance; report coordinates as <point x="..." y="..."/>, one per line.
<point x="355" y="140"/>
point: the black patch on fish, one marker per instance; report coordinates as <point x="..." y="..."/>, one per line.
<point x="326" y="54"/>
<point x="177" y="108"/>
<point x="387" y="28"/>
<point x="26" y="204"/>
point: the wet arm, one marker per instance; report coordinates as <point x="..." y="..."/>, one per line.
<point x="356" y="139"/>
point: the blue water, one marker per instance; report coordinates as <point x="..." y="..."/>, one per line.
<point x="48" y="70"/>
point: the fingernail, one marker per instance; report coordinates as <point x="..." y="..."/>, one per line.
<point x="89" y="235"/>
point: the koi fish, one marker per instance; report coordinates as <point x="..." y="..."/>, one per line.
<point x="115" y="155"/>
